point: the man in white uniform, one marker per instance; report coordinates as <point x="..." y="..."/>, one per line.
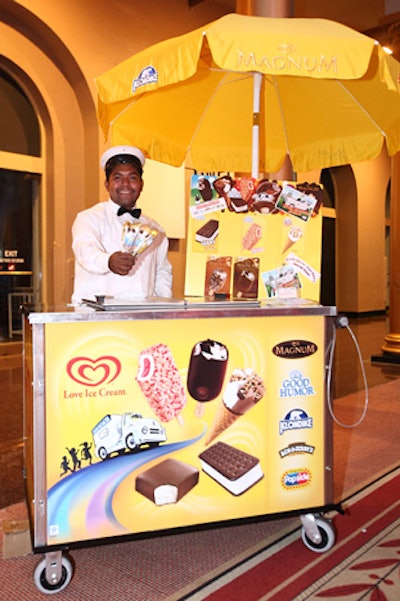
<point x="102" y="267"/>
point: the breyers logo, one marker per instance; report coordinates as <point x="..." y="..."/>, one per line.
<point x="294" y="349"/>
<point x="93" y="372"/>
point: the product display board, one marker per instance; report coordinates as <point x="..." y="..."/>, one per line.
<point x="253" y="239"/>
<point x="151" y="420"/>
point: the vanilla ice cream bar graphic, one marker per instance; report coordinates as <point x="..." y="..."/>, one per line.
<point x="252" y="236"/>
<point x="243" y="391"/>
<point x="206" y="372"/>
<point x="294" y="234"/>
<point x="160" y="382"/>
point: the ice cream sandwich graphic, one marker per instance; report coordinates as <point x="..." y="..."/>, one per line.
<point x="232" y="468"/>
<point x="208" y="232"/>
<point x="167" y="482"/>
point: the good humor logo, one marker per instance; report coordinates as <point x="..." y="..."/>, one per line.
<point x="147" y="75"/>
<point x="296" y="385"/>
<point x="296" y="419"/>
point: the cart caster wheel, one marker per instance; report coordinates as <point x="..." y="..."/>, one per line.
<point x="327" y="533"/>
<point x="50" y="588"/>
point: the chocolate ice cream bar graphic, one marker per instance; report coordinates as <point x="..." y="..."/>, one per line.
<point x="245" y="278"/>
<point x="234" y="469"/>
<point x="218" y="275"/>
<point x="160" y="382"/>
<point x="244" y="389"/>
<point x="167" y="482"/>
<point x="206" y="372"/>
<point x="216" y="281"/>
<point x="208" y="232"/>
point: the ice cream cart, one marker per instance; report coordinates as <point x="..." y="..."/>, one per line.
<point x="162" y="415"/>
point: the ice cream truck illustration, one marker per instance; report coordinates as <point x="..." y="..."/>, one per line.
<point x="118" y="433"/>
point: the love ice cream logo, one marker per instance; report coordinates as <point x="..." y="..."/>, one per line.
<point x="93" y="372"/>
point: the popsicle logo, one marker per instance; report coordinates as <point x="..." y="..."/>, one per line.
<point x="297" y="478"/>
<point x="93" y="372"/>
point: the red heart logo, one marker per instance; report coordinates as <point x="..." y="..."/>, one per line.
<point x="93" y="372"/>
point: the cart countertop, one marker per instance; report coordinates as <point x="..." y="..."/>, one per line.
<point x="175" y="309"/>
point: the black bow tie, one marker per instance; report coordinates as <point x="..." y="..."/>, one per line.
<point x="134" y="212"/>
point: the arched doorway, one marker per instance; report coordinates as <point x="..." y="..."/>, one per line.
<point x="46" y="72"/>
<point x="19" y="203"/>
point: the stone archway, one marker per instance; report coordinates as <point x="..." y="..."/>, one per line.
<point x="51" y="78"/>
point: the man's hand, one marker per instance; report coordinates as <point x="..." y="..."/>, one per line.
<point x="121" y="263"/>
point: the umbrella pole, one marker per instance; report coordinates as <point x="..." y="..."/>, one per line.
<point x="255" y="144"/>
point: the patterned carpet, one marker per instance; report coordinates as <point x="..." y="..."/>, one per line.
<point x="191" y="565"/>
<point x="363" y="564"/>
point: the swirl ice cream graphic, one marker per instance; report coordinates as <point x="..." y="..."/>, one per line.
<point x="244" y="389"/>
<point x="206" y="372"/>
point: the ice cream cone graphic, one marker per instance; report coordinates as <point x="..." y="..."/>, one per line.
<point x="223" y="419"/>
<point x="243" y="391"/>
<point x="294" y="235"/>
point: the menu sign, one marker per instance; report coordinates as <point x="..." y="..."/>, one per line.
<point x="250" y="239"/>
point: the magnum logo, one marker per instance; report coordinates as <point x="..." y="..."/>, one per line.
<point x="294" y="349"/>
<point x="287" y="60"/>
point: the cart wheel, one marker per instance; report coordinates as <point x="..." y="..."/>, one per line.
<point x="103" y="453"/>
<point x="130" y="442"/>
<point x="50" y="588"/>
<point x="327" y="533"/>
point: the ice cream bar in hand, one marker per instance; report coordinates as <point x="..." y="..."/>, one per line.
<point x="137" y="237"/>
<point x="244" y="389"/>
<point x="206" y="372"/>
<point x="160" y="382"/>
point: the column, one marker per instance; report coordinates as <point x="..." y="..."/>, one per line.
<point x="391" y="348"/>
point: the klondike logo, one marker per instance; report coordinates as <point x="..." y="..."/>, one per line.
<point x="294" y="349"/>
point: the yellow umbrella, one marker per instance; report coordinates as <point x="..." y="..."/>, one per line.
<point x="242" y="92"/>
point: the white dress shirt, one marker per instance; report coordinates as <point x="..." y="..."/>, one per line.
<point x="96" y="235"/>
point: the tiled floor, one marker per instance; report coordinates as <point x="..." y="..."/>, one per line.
<point x="347" y="378"/>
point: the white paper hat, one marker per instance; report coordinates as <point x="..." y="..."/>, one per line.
<point x="117" y="150"/>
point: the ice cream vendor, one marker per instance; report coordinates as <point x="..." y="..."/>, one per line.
<point x="119" y="251"/>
